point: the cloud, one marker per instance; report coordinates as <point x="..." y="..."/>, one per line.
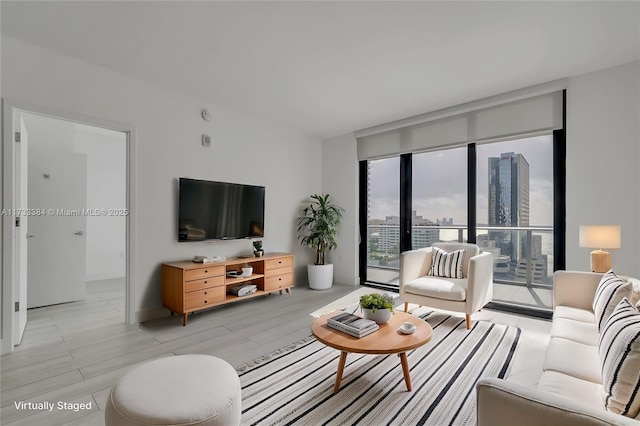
<point x="440" y="181"/>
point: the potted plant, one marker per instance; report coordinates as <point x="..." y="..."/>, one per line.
<point x="318" y="229"/>
<point x="377" y="307"/>
<point x="257" y="249"/>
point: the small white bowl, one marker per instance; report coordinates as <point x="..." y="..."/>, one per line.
<point x="407" y="328"/>
<point x="246" y="272"/>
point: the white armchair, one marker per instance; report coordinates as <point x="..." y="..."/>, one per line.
<point x="468" y="294"/>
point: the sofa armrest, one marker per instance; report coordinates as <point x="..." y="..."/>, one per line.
<point x="575" y="288"/>
<point x="480" y="281"/>
<point x="502" y="403"/>
<point x="414" y="264"/>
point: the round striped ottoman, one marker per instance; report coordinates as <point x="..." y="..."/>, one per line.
<point x="180" y="390"/>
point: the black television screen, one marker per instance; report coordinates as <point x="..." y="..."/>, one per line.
<point x="219" y="210"/>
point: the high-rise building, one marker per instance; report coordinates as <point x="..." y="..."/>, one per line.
<point x="508" y="200"/>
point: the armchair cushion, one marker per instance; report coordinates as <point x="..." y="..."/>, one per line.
<point x="610" y="291"/>
<point x="447" y="265"/>
<point x="451" y="289"/>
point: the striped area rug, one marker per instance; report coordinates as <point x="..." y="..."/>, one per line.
<point x="295" y="385"/>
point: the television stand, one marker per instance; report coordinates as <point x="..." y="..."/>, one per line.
<point x="189" y="287"/>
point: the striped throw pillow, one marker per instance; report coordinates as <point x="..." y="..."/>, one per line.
<point x="447" y="265"/>
<point x="619" y="350"/>
<point x="610" y="291"/>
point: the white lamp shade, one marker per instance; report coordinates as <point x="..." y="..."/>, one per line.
<point x="600" y="236"/>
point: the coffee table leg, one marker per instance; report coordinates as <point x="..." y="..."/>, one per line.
<point x="343" y="360"/>
<point x="405" y="369"/>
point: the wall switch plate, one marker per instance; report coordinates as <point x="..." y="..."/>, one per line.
<point x="206" y="141"/>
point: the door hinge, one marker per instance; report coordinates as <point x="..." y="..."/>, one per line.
<point x="17" y="136"/>
<point x="17" y="306"/>
<point x="17" y="222"/>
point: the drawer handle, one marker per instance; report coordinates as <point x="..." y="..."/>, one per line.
<point x="280" y="261"/>
<point x="205" y="301"/>
<point x="205" y="282"/>
<point x="205" y="292"/>
<point x="279" y="279"/>
<point x="206" y="272"/>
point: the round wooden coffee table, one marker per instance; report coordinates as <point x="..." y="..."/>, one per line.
<point x="387" y="340"/>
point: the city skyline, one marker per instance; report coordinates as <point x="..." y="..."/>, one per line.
<point x="439" y="188"/>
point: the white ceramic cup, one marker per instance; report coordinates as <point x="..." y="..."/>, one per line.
<point x="246" y="272"/>
<point x="408" y="326"/>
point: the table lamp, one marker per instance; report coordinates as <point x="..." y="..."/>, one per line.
<point x="600" y="237"/>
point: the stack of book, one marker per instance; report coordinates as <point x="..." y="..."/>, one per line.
<point x="352" y="324"/>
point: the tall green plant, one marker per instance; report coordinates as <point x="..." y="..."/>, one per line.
<point x="318" y="225"/>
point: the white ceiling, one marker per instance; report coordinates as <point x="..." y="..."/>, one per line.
<point x="330" y="68"/>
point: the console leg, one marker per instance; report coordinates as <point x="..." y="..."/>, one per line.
<point x="184" y="319"/>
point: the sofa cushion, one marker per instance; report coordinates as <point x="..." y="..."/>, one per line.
<point x="439" y="288"/>
<point x="566" y="386"/>
<point x="447" y="265"/>
<point x="574" y="359"/>
<point x="619" y="349"/>
<point x="610" y="291"/>
<point x="576" y="314"/>
<point x="578" y="331"/>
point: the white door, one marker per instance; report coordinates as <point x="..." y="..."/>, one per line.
<point x="21" y="241"/>
<point x="57" y="183"/>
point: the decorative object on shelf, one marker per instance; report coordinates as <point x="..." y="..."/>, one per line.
<point x="599" y="237"/>
<point x="377" y="307"/>
<point x="247" y="270"/>
<point x="318" y="229"/>
<point x="257" y="249"/>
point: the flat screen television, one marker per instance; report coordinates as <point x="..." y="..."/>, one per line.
<point x="219" y="210"/>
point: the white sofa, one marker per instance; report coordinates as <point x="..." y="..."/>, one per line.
<point x="569" y="391"/>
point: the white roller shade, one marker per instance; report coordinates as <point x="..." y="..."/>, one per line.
<point x="522" y="112"/>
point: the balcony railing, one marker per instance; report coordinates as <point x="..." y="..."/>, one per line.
<point x="523" y="256"/>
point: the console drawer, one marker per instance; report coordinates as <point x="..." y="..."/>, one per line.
<point x="203" y="298"/>
<point x="196" y="274"/>
<point x="203" y="283"/>
<point x="277" y="282"/>
<point x="283" y="262"/>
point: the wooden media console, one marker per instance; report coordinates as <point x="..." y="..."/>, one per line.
<point x="189" y="287"/>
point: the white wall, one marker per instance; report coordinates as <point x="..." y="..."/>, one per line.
<point x="168" y="133"/>
<point x="603" y="152"/>
<point x="340" y="179"/>
<point x="106" y="152"/>
<point x="603" y="148"/>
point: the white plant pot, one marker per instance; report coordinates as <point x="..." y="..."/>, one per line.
<point x="380" y="316"/>
<point x="320" y="276"/>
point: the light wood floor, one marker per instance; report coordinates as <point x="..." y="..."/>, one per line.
<point x="75" y="352"/>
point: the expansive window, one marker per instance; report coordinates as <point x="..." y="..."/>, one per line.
<point x="439" y="197"/>
<point x="383" y="220"/>
<point x="510" y="201"/>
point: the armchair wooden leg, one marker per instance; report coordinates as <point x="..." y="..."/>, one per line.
<point x="468" y="322"/>
<point x="406" y="306"/>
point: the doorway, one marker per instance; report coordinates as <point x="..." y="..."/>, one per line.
<point x="76" y="220"/>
